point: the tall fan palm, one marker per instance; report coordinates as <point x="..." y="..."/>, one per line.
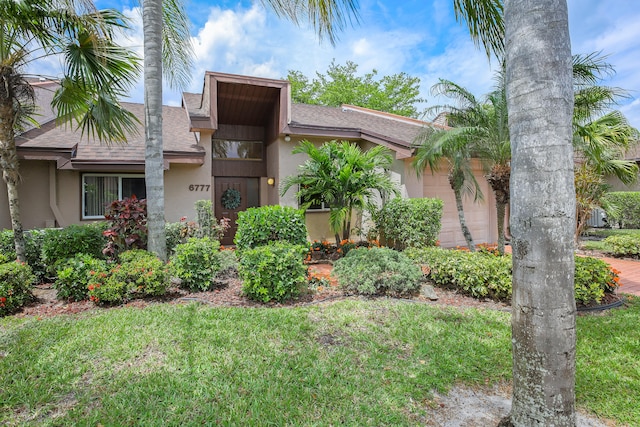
<point x="455" y="147"/>
<point x="344" y="177"/>
<point x="96" y="72"/>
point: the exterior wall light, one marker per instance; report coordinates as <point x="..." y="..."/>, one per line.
<point x="287" y="138"/>
<point x="271" y="181"/>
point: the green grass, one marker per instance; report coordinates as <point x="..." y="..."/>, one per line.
<point x="351" y="363"/>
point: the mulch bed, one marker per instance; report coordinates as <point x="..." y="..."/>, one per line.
<point x="229" y="294"/>
<point x="45" y="303"/>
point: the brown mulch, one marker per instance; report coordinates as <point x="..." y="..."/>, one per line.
<point x="229" y="294"/>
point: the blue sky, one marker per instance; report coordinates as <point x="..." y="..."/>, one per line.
<point x="419" y="37"/>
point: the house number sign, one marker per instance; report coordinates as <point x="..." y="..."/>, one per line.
<point x="199" y="187"/>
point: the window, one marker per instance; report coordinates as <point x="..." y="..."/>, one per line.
<point x="100" y="190"/>
<point x="226" y="149"/>
<point x="324" y="206"/>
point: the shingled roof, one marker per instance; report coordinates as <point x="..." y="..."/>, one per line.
<point x="72" y="150"/>
<point x="394" y="131"/>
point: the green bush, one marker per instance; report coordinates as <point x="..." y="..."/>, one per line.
<point x="478" y="274"/>
<point x="406" y="223"/>
<point x="15" y="286"/>
<point x="60" y="244"/>
<point x="623" y="208"/>
<point x="74" y="275"/>
<point x="623" y="245"/>
<point x="33" y="241"/>
<point x="483" y="274"/>
<point x="273" y="272"/>
<point x="196" y="263"/>
<point x="139" y="274"/>
<point x="377" y="271"/>
<point x="593" y="278"/>
<point x="260" y="226"/>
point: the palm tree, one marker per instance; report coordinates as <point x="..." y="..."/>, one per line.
<point x="601" y="136"/>
<point x="344" y="177"/>
<point x="484" y="126"/>
<point x="166" y="40"/>
<point x="540" y="103"/>
<point x="455" y="147"/>
<point x="96" y="73"/>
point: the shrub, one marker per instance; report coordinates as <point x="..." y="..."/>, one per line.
<point x="260" y="226"/>
<point x="623" y="208"/>
<point x="273" y="272"/>
<point x="482" y="274"/>
<point x="593" y="278"/>
<point x="60" y="244"/>
<point x="479" y="274"/>
<point x="127" y="226"/>
<point x="623" y="245"/>
<point x="196" y="263"/>
<point x="74" y="275"/>
<point x="15" y="286"/>
<point x="410" y="222"/>
<point x="139" y="274"/>
<point x="377" y="271"/>
<point x="33" y="241"/>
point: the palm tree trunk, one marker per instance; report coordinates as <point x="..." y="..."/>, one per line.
<point x="500" y="211"/>
<point x="9" y="166"/>
<point x="540" y="105"/>
<point x="463" y="222"/>
<point x="154" y="163"/>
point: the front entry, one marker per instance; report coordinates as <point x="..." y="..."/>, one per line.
<point x="232" y="195"/>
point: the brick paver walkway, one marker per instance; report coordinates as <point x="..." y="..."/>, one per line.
<point x="629" y="274"/>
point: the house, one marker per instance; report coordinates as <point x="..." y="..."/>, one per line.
<point x="239" y="134"/>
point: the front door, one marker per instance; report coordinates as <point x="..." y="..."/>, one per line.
<point x="232" y="195"/>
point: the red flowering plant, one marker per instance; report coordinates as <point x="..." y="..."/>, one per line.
<point x="73" y="276"/>
<point x="16" y="279"/>
<point x="128" y="226"/>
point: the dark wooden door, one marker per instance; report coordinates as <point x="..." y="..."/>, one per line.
<point x="222" y="185"/>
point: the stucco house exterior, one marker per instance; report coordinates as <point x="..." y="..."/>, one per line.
<point x="238" y="133"/>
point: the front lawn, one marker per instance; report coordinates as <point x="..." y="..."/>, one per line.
<point x="370" y="362"/>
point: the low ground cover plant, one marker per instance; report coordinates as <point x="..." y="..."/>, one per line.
<point x="482" y="274"/>
<point x="479" y="274"/>
<point x="15" y="286"/>
<point x="377" y="271"/>
<point x="623" y="245"/>
<point x="273" y="272"/>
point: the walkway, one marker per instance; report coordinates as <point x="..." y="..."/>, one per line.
<point x="629" y="274"/>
